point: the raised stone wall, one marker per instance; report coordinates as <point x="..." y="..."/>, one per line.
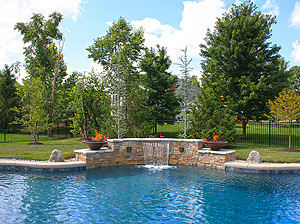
<point x="130" y="152"/>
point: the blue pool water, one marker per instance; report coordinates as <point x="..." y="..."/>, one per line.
<point x="133" y="194"/>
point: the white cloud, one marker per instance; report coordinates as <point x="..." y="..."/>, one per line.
<point x="238" y="2"/>
<point x="11" y="45"/>
<point x="296" y="52"/>
<point x="271" y="7"/>
<point x="295" y="16"/>
<point x="197" y="17"/>
<point x="96" y="67"/>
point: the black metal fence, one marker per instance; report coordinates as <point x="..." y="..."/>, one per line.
<point x="265" y="133"/>
<point x="14" y="133"/>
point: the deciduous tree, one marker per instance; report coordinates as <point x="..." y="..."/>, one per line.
<point x="118" y="52"/>
<point x="35" y="118"/>
<point x="286" y="107"/>
<point x="160" y="85"/>
<point x="239" y="57"/>
<point x="43" y="57"/>
<point x="88" y="99"/>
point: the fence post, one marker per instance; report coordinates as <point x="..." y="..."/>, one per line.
<point x="269" y="133"/>
<point x="57" y="129"/>
<point x="4" y="128"/>
<point x="66" y="124"/>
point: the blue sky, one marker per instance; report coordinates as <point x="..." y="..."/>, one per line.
<point x="170" y="23"/>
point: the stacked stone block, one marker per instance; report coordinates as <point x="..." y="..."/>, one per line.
<point x="130" y="152"/>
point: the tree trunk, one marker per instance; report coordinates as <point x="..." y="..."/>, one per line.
<point x="35" y="137"/>
<point x="52" y="102"/>
<point x="185" y="123"/>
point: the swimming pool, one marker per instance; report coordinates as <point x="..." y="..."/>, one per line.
<point x="134" y="194"/>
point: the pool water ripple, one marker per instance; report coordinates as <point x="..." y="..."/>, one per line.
<point x="133" y="194"/>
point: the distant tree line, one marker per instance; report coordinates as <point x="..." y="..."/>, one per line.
<point x="242" y="71"/>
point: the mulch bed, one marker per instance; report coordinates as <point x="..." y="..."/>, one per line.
<point x="290" y="150"/>
<point x="70" y="157"/>
<point x="239" y="158"/>
<point x="35" y="143"/>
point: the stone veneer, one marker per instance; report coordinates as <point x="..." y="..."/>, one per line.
<point x="130" y="152"/>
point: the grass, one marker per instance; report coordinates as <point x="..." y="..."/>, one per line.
<point x="40" y="152"/>
<point x="23" y="137"/>
<point x="169" y="130"/>
<point x="268" y="154"/>
<point x="257" y="134"/>
<point x="270" y="135"/>
<point x="67" y="146"/>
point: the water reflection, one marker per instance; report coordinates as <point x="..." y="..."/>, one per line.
<point x="134" y="194"/>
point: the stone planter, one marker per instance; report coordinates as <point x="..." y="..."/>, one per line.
<point x="215" y="145"/>
<point x="94" y="145"/>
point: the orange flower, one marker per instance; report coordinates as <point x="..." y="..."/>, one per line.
<point x="98" y="136"/>
<point x="216" y="137"/>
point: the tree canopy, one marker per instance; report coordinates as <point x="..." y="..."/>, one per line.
<point x="159" y="84"/>
<point x="119" y="52"/>
<point x="238" y="57"/>
<point x="43" y="57"/>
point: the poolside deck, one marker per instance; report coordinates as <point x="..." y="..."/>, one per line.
<point x="245" y="166"/>
<point x="238" y="165"/>
<point x="30" y="165"/>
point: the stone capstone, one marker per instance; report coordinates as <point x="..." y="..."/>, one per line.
<point x="254" y="157"/>
<point x="56" y="156"/>
<point x="117" y="153"/>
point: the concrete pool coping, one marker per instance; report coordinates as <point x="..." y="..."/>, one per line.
<point x="29" y="165"/>
<point x="245" y="166"/>
<point x="16" y="164"/>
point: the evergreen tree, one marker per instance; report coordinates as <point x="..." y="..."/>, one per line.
<point x="210" y="112"/>
<point x="185" y="91"/>
<point x="8" y="96"/>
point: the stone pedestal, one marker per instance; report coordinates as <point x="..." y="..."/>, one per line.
<point x="130" y="152"/>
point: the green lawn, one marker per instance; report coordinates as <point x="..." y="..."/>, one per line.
<point x="258" y="134"/>
<point x="268" y="154"/>
<point x="40" y="152"/>
<point x="67" y="146"/>
<point x="169" y="130"/>
<point x="18" y="148"/>
<point x="259" y="140"/>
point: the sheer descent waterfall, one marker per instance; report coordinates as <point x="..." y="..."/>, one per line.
<point x="156" y="153"/>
